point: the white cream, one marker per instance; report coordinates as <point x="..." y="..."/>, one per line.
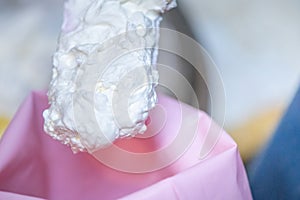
<point x="104" y="72"/>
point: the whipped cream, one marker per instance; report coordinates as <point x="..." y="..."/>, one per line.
<point x="104" y="75"/>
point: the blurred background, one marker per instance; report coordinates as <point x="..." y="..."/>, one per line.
<point x="255" y="45"/>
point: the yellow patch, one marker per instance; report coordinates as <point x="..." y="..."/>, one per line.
<point x="3" y="124"/>
<point x="256" y="131"/>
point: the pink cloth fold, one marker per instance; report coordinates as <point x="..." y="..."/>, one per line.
<point x="33" y="165"/>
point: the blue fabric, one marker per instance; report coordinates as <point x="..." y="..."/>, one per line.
<point x="275" y="173"/>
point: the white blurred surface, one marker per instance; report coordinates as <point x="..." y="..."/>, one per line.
<point x="256" y="45"/>
<point x="28" y="37"/>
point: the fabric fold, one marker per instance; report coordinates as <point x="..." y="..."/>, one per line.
<point x="34" y="165"/>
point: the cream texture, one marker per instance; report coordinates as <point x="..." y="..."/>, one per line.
<point x="104" y="75"/>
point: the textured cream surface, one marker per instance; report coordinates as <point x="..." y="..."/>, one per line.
<point x="104" y="72"/>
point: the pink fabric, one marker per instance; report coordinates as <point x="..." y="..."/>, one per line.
<point x="32" y="165"/>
